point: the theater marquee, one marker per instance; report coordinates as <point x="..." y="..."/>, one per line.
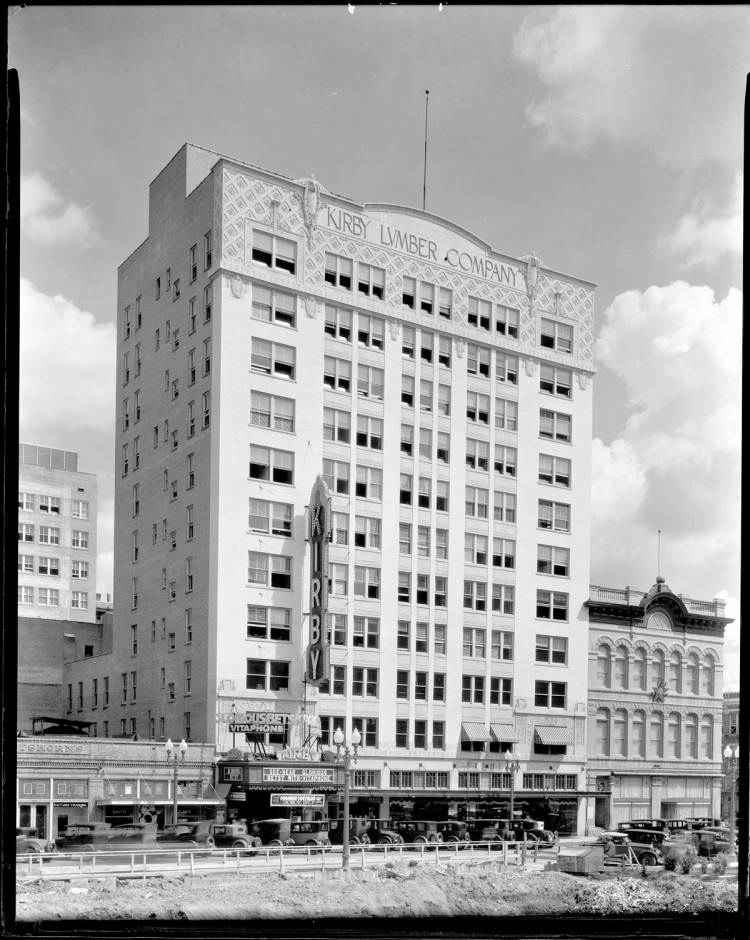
<point x="318" y="650"/>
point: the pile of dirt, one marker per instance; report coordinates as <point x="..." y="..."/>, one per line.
<point x="391" y="891"/>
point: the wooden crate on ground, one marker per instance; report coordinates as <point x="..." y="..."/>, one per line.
<point x="585" y="860"/>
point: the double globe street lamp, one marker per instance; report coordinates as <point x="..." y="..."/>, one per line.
<point x="512" y="767"/>
<point x="175" y="757"/>
<point x="347" y="755"/>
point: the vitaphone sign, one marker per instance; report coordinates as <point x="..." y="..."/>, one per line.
<point x="350" y="223"/>
<point x="318" y="650"/>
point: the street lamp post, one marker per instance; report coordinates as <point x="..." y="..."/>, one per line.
<point x="175" y="757"/>
<point x="348" y="756"/>
<point x="512" y="767"/>
<point x="731" y="756"/>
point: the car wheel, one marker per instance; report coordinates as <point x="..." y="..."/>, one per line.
<point x="647" y="859"/>
<point x="384" y="840"/>
<point x="355" y="841"/>
<point x="420" y="840"/>
<point x="210" y="842"/>
<point x="275" y="846"/>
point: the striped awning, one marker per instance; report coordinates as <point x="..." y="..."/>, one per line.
<point x="551" y="734"/>
<point x="504" y="733"/>
<point x="222" y="790"/>
<point x="474" y="731"/>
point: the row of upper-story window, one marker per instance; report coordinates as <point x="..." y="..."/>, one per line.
<point x="42" y="564"/>
<point x="51" y="535"/>
<point x="133" y="318"/>
<point x="656" y="735"/>
<point x="35" y="502"/>
<point x="195" y="411"/>
<point x="50" y="597"/>
<point x="130" y="726"/>
<point x="172" y="487"/>
<point x="100" y="697"/>
<point x="619" y="669"/>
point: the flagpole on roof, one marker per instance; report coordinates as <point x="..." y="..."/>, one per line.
<point x="424" y="181"/>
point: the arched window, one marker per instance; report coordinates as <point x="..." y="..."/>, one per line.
<point x="657" y="666"/>
<point x="604" y="667"/>
<point x="675" y="671"/>
<point x="693" y="673"/>
<point x="673" y="736"/>
<point x="621" y="667"/>
<point x="602" y="732"/>
<point x="620" y="742"/>
<point x="691" y="736"/>
<point x="707" y="737"/>
<point x="639" y="669"/>
<point x="656" y="743"/>
<point x="707" y="676"/>
<point x="639" y="734"/>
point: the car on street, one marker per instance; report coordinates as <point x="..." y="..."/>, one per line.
<point x="617" y="846"/>
<point x="210" y="834"/>
<point x="420" y="831"/>
<point x="29" y="843"/>
<point x="384" y="832"/>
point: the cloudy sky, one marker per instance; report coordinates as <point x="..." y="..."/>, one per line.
<point x="607" y="139"/>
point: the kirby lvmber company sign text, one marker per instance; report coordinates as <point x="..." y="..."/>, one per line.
<point x="318" y="650"/>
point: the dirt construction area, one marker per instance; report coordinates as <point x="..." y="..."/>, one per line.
<point x="394" y="890"/>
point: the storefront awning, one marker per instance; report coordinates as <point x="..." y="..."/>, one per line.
<point x="551" y="734"/>
<point x="222" y="789"/>
<point x="504" y="733"/>
<point x="474" y="731"/>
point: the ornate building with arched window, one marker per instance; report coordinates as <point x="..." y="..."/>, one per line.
<point x="655" y="705"/>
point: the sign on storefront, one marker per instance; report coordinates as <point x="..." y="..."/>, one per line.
<point x="260" y="723"/>
<point x="299" y="775"/>
<point x="297" y="799"/>
<point x="318" y="650"/>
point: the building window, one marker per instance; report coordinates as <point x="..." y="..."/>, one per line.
<point x="369" y="432"/>
<point x="502" y="646"/>
<point x="271" y="411"/>
<point x="369" y="483"/>
<point x="656" y="742"/>
<point x="438" y="735"/>
<point x="338" y="677"/>
<point x="551" y="559"/>
<point x="336" y="425"/>
<point x="370" y="331"/>
<point x="503" y="553"/>
<point x="367" y="582"/>
<point x="207" y="249"/>
<point x="505" y="460"/>
<point x="475" y="643"/>
<point x="441" y="544"/>
<point x="503" y="599"/>
<point x="268" y="623"/>
<point x="404" y="587"/>
<point x="506" y="414"/>
<point x="25" y="594"/>
<point x="273" y="251"/>
<point x="421" y="636"/>
<point x="444" y="400"/>
<point x="444" y="351"/>
<point x="554" y="470"/>
<point x="506" y="368"/>
<point x="370" y="382"/>
<point x="707" y="737"/>
<point x="269" y="570"/>
<point x="48" y="535"/>
<point x="426" y="394"/>
<point x="402" y="732"/>
<point x="554" y="516"/>
<point x="337" y="374"/>
<point x="555" y="381"/>
<point x="274" y="306"/>
<point x="506" y="321"/>
<point x="402" y="634"/>
<point x="26" y="564"/>
<point x="367" y="532"/>
<point x="267" y="463"/>
<point x="366" y="630"/>
<point x="476" y="502"/>
<point x="270" y="518"/>
<point x="80" y="509"/>
<point x="188" y="676"/>
<point x="439" y="642"/>
<point x="693" y="673"/>
<point x="407" y="390"/>
<point x="25" y="532"/>
<point x="370" y="280"/>
<point x="475" y="549"/>
<point x="338" y="323"/>
<point x="420" y="733"/>
<point x="475" y="595"/>
<point x="552" y="649"/>
<point x="51" y="566"/>
<point x="273" y="358"/>
<point x="550" y="694"/>
<point x="480" y="313"/>
<point x="501" y="691"/>
<point x="442" y="488"/>
<point x="26" y="501"/>
<point x="691" y="737"/>
<point x="707" y="676"/>
<point x="365" y="681"/>
<point x="338" y="271"/>
<point x="472" y="689"/>
<point x="555" y="426"/>
<point x="477" y="454"/>
<point x="558" y="336"/>
<point x="478" y="408"/>
<point x="552" y="605"/>
<point x="407" y="439"/>
<point x="601" y="736"/>
<point x="336" y="475"/>
<point x="50" y="597"/>
<point x="478" y="360"/>
<point x="267" y="675"/>
<point x="621" y="668"/>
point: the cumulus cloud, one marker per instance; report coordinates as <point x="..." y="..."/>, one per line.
<point x="47" y="218"/>
<point x="66" y="367"/>
<point x="707" y="233"/>
<point x="675" y="466"/>
<point x="645" y="76"/>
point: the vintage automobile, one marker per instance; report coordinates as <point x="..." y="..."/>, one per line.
<point x="210" y="834"/>
<point x="29" y="843"/>
<point x="617" y="848"/>
<point x="384" y="832"/>
<point x="273" y="832"/>
<point x="358" y="831"/>
<point x="533" y="829"/>
<point x="642" y="824"/>
<point x="103" y="837"/>
<point x="420" y="831"/>
<point x="455" y="831"/>
<point x="655" y="837"/>
<point x="315" y="832"/>
<point x="486" y="830"/>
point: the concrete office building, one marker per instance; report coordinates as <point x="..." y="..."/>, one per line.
<point x="271" y="332"/>
<point x="57" y="509"/>
<point x="655" y="704"/>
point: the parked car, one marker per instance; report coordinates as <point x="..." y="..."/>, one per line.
<point x="642" y="824"/>
<point x="313" y="832"/>
<point x="274" y="832"/>
<point x="103" y="837"/>
<point x="209" y="833"/>
<point x="485" y="830"/>
<point x="455" y="831"/>
<point x="655" y="837"/>
<point x="617" y="845"/>
<point x="420" y="831"/>
<point x="358" y="834"/>
<point x="384" y="832"/>
<point x="29" y="843"/>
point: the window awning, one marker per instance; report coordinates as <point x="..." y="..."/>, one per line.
<point x="222" y="789"/>
<point x="474" y="731"/>
<point x="504" y="733"/>
<point x="551" y="734"/>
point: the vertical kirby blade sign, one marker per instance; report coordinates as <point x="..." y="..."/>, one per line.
<point x="318" y="651"/>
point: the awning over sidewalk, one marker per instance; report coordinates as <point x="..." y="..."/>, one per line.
<point x="474" y="731"/>
<point x="222" y="790"/>
<point x="552" y="734"/>
<point x="504" y="732"/>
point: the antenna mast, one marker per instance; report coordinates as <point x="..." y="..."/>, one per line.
<point x="658" y="552"/>
<point x="424" y="183"/>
